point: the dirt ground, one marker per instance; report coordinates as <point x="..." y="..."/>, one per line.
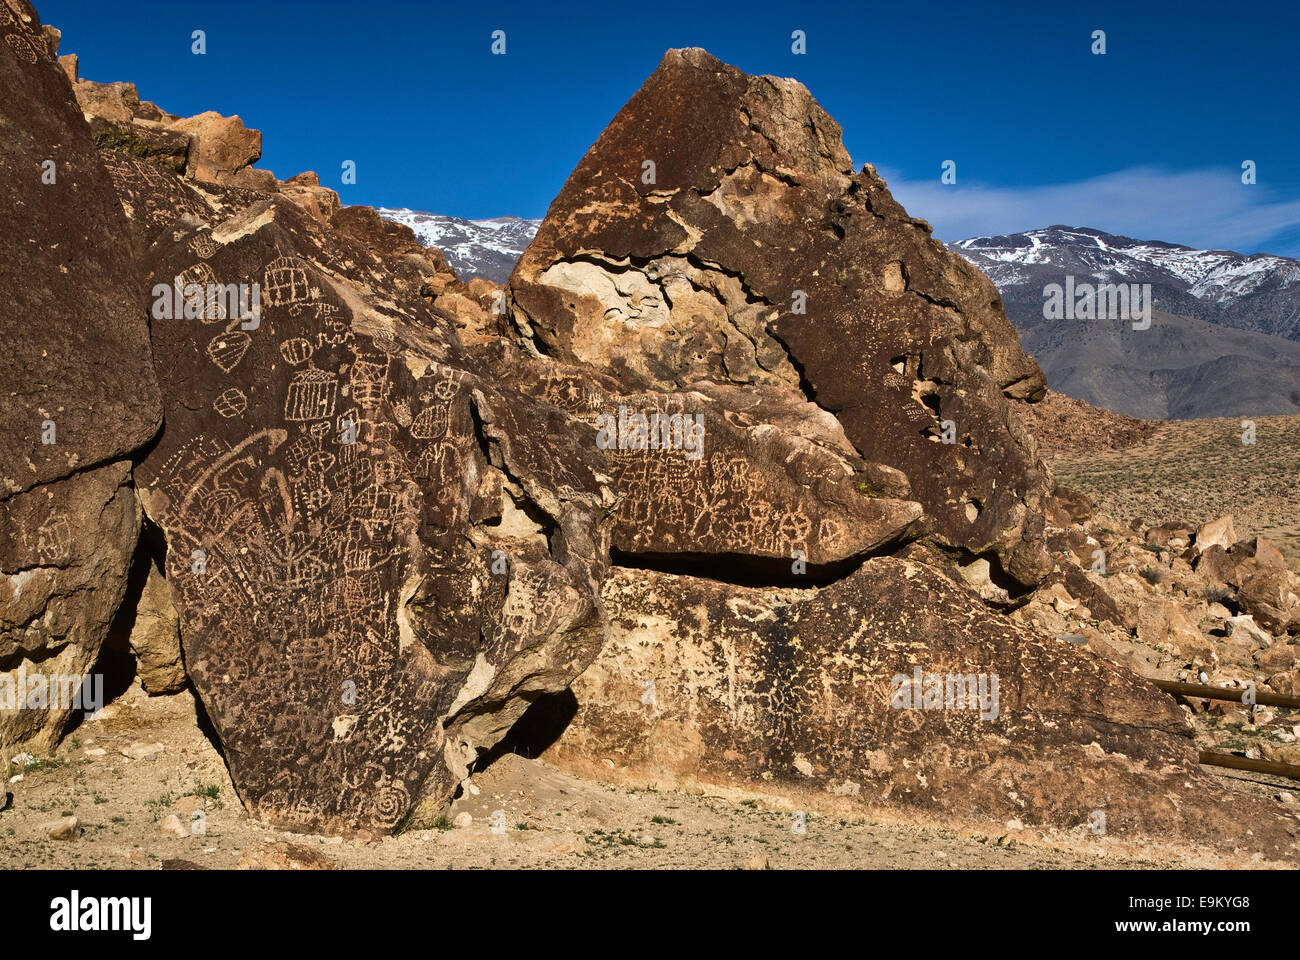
<point x="548" y="818"/>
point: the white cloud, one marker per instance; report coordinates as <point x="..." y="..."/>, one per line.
<point x="1211" y="209"/>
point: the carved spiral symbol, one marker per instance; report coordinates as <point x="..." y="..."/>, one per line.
<point x="390" y="805"/>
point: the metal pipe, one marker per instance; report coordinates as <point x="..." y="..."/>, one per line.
<point x="1255" y="766"/>
<point x="1206" y="692"/>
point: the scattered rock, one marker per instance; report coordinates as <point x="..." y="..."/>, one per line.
<point x="223" y="146"/>
<point x="1218" y="533"/>
<point x="748" y="169"/>
<point x="140" y="750"/>
<point x="65" y="828"/>
<point x="1246" y="625"/>
<point x="283" y="856"/>
<point x="1269" y="595"/>
<point x="172" y="826"/>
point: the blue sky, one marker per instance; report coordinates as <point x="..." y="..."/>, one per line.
<point x="1147" y="140"/>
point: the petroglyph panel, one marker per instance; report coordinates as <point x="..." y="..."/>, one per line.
<point x="334" y="594"/>
<point x="771" y="263"/>
<point x="794" y="690"/>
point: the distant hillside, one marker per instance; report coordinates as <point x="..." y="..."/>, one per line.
<point x="1224" y="333"/>
<point x="475" y="248"/>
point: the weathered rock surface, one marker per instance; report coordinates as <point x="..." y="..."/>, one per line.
<point x="704" y="683"/>
<point x="1216" y="533"/>
<point x="207" y="148"/>
<point x="372" y="563"/>
<point x="79" y="394"/>
<point x="716" y="232"/>
<point x="328" y="506"/>
<point x="155" y="637"/>
<point x="670" y="261"/>
<point x="397" y="510"/>
<point x="753" y="490"/>
<point x="222" y="145"/>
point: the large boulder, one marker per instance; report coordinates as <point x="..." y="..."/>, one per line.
<point x="894" y="687"/>
<point x="1270" y="596"/>
<point x="753" y="487"/>
<point x="716" y="232"/>
<point x="79" y="394"/>
<point x="223" y="146"/>
<point x="373" y="576"/>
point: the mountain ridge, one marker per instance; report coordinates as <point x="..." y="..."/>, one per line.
<point x="1225" y="327"/>
<point x="487" y="248"/>
<point x="1259" y="292"/>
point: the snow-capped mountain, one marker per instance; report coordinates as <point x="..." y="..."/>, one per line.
<point x="475" y="248"/>
<point x="1259" y="292"/>
<point x="1224" y="340"/>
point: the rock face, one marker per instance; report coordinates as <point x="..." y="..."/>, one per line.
<point x="207" y="147"/>
<point x="331" y="485"/>
<point x="155" y="637"/>
<point x="223" y="145"/>
<point x="894" y="686"/>
<point x="675" y="259"/>
<point x="382" y="549"/>
<point x="79" y="394"/>
<point x="716" y="231"/>
<point x="701" y="452"/>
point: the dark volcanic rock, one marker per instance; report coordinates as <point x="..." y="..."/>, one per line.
<point x="305" y="568"/>
<point x="75" y="332"/>
<point x="752" y="490"/>
<point x="716" y="231"/>
<point x="79" y="394"/>
<point x="331" y="512"/>
<point x="388" y="528"/>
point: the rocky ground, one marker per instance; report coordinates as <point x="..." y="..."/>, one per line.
<point x="124" y="809"/>
<point x="1196" y="470"/>
<point x="1179" y="608"/>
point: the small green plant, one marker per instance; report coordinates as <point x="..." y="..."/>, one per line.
<point x="443" y="823"/>
<point x="161" y="803"/>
